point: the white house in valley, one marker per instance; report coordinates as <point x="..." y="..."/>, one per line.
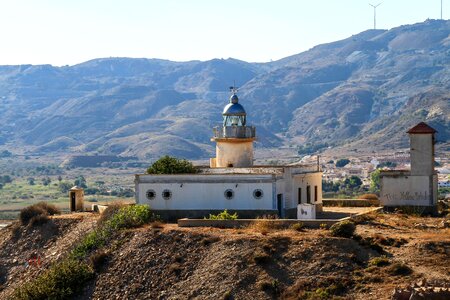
<point x="231" y="181"/>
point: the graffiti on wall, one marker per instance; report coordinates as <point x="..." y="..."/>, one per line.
<point x="407" y="196"/>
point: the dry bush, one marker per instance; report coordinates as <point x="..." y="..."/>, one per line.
<point x="37" y="214"/>
<point x="157" y="225"/>
<point x="98" y="260"/>
<point x="263" y="226"/>
<point x="343" y="229"/>
<point x="400" y="269"/>
<point x="49" y="208"/>
<point x="369" y="197"/>
<point x="176" y="268"/>
<point x="39" y="220"/>
<point x="272" y="287"/>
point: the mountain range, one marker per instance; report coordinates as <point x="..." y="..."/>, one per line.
<point x="362" y="92"/>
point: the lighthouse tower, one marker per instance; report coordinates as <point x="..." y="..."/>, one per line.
<point x="234" y="140"/>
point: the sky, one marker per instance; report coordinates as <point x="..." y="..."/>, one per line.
<point x="63" y="32"/>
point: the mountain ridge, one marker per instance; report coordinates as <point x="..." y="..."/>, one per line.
<point x="364" y="91"/>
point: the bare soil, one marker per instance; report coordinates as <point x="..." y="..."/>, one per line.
<point x="212" y="263"/>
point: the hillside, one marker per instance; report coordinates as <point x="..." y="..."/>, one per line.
<point x="179" y="263"/>
<point x="361" y="92"/>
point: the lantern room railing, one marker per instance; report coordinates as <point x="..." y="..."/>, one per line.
<point x="234" y="132"/>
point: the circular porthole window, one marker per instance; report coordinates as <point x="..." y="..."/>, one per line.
<point x="229" y="194"/>
<point x="258" y="194"/>
<point x="151" y="194"/>
<point x="167" y="194"/>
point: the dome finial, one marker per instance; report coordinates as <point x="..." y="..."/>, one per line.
<point x="234" y="98"/>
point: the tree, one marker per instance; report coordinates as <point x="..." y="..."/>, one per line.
<point x="64" y="187"/>
<point x="30" y="181"/>
<point x="59" y="178"/>
<point x="387" y="164"/>
<point x="46" y="181"/>
<point x="342" y="162"/>
<point x="5" y="179"/>
<point x="375" y="181"/>
<point x="80" y="181"/>
<point x="171" y="165"/>
<point x="353" y="182"/>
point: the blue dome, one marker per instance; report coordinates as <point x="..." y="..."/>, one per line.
<point x="234" y="109"/>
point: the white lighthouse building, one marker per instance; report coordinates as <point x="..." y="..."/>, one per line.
<point x="234" y="140"/>
<point x="231" y="181"/>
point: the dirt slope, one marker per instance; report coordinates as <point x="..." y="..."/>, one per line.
<point x="181" y="263"/>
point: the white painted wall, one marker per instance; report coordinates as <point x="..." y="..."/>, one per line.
<point x="408" y="190"/>
<point x="238" y="153"/>
<point x="303" y="181"/>
<point x="422" y="156"/>
<point x="206" y="194"/>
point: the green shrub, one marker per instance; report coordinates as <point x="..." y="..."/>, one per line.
<point x="126" y="217"/>
<point x="297" y="226"/>
<point x="109" y="212"/>
<point x="381" y="261"/>
<point x="171" y="165"/>
<point x="225" y="215"/>
<point x="61" y="281"/>
<point x="343" y="229"/>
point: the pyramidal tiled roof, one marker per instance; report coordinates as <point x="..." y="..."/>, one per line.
<point x="422" y="127"/>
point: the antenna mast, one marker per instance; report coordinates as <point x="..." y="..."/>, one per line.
<point x="375" y="14"/>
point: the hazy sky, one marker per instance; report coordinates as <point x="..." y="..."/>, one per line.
<point x="61" y="32"/>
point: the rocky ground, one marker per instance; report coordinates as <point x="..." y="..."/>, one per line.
<point x="390" y="250"/>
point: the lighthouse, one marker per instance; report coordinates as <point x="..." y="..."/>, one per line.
<point x="234" y="139"/>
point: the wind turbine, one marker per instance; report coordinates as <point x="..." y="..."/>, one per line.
<point x="375" y="14"/>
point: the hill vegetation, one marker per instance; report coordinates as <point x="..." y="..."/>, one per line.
<point x="119" y="254"/>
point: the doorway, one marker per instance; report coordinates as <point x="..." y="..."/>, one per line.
<point x="280" y="205"/>
<point x="72" y="201"/>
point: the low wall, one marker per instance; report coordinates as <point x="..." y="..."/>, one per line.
<point x="279" y="223"/>
<point x="239" y="223"/>
<point x="174" y="215"/>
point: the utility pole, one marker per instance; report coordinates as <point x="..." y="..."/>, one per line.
<point x="441" y="10"/>
<point x="375" y="14"/>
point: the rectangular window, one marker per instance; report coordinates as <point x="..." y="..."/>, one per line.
<point x="308" y="194"/>
<point x="299" y="195"/>
<point x="315" y="194"/>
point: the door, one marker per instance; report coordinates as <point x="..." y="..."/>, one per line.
<point x="308" y="194"/>
<point x="72" y="201"/>
<point x="299" y="196"/>
<point x="280" y="205"/>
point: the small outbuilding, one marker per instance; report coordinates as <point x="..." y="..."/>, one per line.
<point x="416" y="187"/>
<point x="76" y="198"/>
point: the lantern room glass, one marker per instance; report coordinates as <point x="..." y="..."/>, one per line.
<point x="233" y="120"/>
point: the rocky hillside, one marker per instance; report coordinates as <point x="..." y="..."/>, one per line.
<point x="154" y="262"/>
<point x="363" y="92"/>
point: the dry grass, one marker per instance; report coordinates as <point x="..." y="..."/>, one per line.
<point x="263" y="226"/>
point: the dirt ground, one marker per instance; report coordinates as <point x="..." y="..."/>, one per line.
<point x="389" y="250"/>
